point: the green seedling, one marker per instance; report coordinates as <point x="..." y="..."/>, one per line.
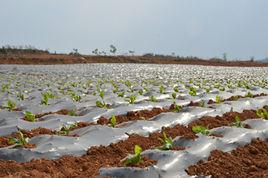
<point x="121" y="94"/>
<point x="101" y="94"/>
<point x="200" y="129"/>
<point x="76" y="98"/>
<point x="10" y="105"/>
<point x="100" y="104"/>
<point x="174" y="95"/>
<point x="115" y="90"/>
<point x="192" y="91"/>
<point x="238" y="122"/>
<point x="65" y="130"/>
<point x="21" y="96"/>
<point x="262" y="113"/>
<point x="250" y="95"/>
<point x="128" y="83"/>
<point x="153" y="99"/>
<point x="132" y="99"/>
<point x="222" y="89"/>
<point x="177" y="108"/>
<point x="4" y="87"/>
<point x="72" y="113"/>
<point x="218" y="99"/>
<point x="201" y="104"/>
<point x="167" y="142"/>
<point x="44" y="100"/>
<point x="162" y="89"/>
<point x="112" y="121"/>
<point x="176" y="89"/>
<point x="29" y="116"/>
<point x="141" y="92"/>
<point x="46" y="96"/>
<point x="21" y="141"/>
<point x="136" y="158"/>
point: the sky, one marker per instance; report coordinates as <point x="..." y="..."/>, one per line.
<point x="203" y="28"/>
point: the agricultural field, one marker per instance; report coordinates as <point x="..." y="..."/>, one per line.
<point x="133" y="120"/>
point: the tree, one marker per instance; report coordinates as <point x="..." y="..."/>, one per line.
<point x="96" y="51"/>
<point x="224" y="56"/>
<point x="113" y="49"/>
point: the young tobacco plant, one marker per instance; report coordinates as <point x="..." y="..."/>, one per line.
<point x="176" y="89"/>
<point x="238" y="122"/>
<point x="153" y="99"/>
<point x="162" y="89"/>
<point x="177" y="108"/>
<point x="10" y="105"/>
<point x="112" y="121"/>
<point x="46" y="96"/>
<point x="101" y="104"/>
<point x="72" y="113"/>
<point x="249" y="94"/>
<point x="218" y="99"/>
<point x="136" y="158"/>
<point x="21" y="96"/>
<point x="200" y="129"/>
<point x="166" y="141"/>
<point x="140" y="92"/>
<point x="21" y="141"/>
<point x="29" y="116"/>
<point x="121" y="94"/>
<point x="132" y="99"/>
<point x="262" y="113"/>
<point x="4" y="87"/>
<point x="192" y="91"/>
<point x="174" y="95"/>
<point x="65" y="130"/>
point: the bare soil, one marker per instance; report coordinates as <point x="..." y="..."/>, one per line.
<point x="247" y="161"/>
<point x="45" y="58"/>
<point x="108" y="156"/>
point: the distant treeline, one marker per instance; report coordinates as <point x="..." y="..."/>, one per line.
<point x="27" y="49"/>
<point x="185" y="58"/>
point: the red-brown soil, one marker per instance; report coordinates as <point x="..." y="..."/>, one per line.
<point x="134" y="115"/>
<point x="226" y="120"/>
<point x="246" y="161"/>
<point x="107" y="156"/>
<point x="73" y="59"/>
<point x="97" y="157"/>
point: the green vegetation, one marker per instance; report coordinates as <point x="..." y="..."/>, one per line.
<point x="192" y="91"/>
<point x="262" y="113"/>
<point x="136" y="158"/>
<point x="132" y="99"/>
<point x="153" y="99"/>
<point x="121" y="94"/>
<point x="218" y="99"/>
<point x="72" y="113"/>
<point x="112" y="121"/>
<point x="174" y="95"/>
<point x="200" y="129"/>
<point x="21" y="141"/>
<point x="46" y="96"/>
<point x="250" y="95"/>
<point x="177" y="108"/>
<point x="10" y="105"/>
<point x="167" y="142"/>
<point x="162" y="89"/>
<point x="29" y="116"/>
<point x="101" y="103"/>
<point x="238" y="122"/>
<point x="65" y="130"/>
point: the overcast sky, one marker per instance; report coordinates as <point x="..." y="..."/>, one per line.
<point x="204" y="28"/>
